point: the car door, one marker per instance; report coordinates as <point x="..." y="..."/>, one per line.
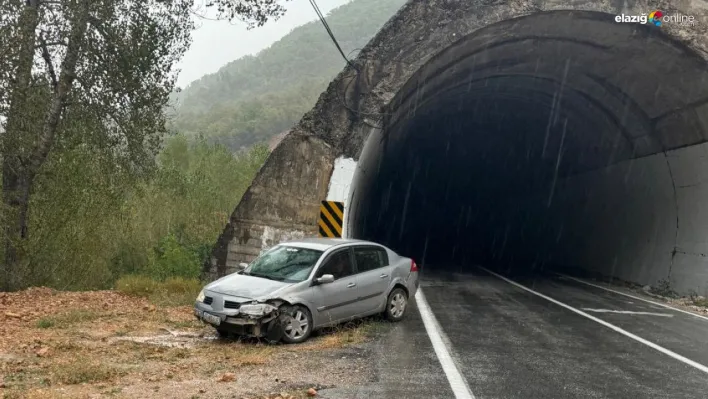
<point x="336" y="300"/>
<point x="373" y="276"/>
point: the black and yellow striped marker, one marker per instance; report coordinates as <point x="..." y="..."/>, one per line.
<point x="331" y="217"/>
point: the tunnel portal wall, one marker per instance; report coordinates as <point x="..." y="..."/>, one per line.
<point x="643" y="221"/>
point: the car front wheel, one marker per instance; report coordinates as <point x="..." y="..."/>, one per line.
<point x="297" y="324"/>
<point x="396" y="304"/>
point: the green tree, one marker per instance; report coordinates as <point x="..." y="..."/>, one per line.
<point x="252" y="12"/>
<point x="93" y="222"/>
<point x="89" y="73"/>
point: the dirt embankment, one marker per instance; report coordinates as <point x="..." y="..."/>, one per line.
<point x="104" y="344"/>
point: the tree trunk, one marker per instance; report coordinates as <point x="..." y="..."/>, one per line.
<point x="17" y="130"/>
<point x="18" y="171"/>
<point x="15" y="188"/>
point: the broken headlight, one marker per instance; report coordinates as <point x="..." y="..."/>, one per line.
<point x="259" y="309"/>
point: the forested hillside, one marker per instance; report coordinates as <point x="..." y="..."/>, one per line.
<point x="256" y="97"/>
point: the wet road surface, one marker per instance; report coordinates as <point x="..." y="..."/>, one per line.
<point x="510" y="343"/>
<point x="405" y="363"/>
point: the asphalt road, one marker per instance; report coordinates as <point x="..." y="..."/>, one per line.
<point x="507" y="342"/>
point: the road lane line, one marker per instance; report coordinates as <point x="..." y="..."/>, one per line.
<point x="633" y="296"/>
<point x="457" y="383"/>
<point x="606" y="324"/>
<point x="626" y="312"/>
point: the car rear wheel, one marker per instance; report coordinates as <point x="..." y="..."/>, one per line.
<point x="396" y="304"/>
<point x="297" y="324"/>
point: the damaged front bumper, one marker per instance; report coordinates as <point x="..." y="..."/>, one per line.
<point x="249" y="319"/>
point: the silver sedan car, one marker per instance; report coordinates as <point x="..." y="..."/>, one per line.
<point x="297" y="287"/>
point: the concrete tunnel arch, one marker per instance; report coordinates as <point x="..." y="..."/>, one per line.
<point x="471" y="129"/>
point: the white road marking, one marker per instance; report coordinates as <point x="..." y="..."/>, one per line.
<point x="626" y="312"/>
<point x="634" y="297"/>
<point x="606" y="324"/>
<point x="458" y="384"/>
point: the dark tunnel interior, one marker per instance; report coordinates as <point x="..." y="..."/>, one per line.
<point x="536" y="142"/>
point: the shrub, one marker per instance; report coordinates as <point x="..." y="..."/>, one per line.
<point x="174" y="291"/>
<point x="179" y="285"/>
<point x="178" y="291"/>
<point x="173" y="258"/>
<point x="137" y="285"/>
<point x="130" y="258"/>
<point x="663" y="288"/>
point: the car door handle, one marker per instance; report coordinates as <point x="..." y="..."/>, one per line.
<point x="350" y="285"/>
<point x="383" y="276"/>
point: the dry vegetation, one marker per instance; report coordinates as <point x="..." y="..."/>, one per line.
<point x="661" y="291"/>
<point x="110" y="344"/>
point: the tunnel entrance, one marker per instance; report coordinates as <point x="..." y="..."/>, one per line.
<point x="561" y="138"/>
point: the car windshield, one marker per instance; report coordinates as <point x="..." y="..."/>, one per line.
<point x="284" y="263"/>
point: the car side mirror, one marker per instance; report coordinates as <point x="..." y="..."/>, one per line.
<point x="325" y="279"/>
<point x="242" y="266"/>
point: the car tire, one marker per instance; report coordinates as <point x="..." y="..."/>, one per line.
<point x="297" y="324"/>
<point x="396" y="305"/>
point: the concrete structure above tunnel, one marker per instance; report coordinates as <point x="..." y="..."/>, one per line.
<point x="563" y="63"/>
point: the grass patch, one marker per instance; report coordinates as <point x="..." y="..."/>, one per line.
<point x="113" y="391"/>
<point x="177" y="354"/>
<point x="351" y="333"/>
<point x="45" y="323"/>
<point x="701" y="302"/>
<point x="81" y="372"/>
<point x="135" y="285"/>
<point x="229" y="356"/>
<point x="67" y="319"/>
<point x="68" y="346"/>
<point x="41" y="394"/>
<point x="174" y="291"/>
<point x="697" y="300"/>
<point x="77" y="316"/>
<point x="344" y="336"/>
<point x="252" y="356"/>
<point x="191" y="323"/>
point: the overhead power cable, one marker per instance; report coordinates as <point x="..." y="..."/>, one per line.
<point x="331" y="34"/>
<point x="341" y="99"/>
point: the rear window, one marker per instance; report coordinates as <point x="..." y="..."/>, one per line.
<point x="370" y="258"/>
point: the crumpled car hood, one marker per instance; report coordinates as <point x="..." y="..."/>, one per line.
<point x="246" y="286"/>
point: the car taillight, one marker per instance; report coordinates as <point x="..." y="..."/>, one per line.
<point x="414" y="267"/>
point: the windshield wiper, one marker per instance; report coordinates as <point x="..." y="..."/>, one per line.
<point x="266" y="276"/>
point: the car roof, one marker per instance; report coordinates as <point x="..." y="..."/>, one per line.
<point x="323" y="244"/>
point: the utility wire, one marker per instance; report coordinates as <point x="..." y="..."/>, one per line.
<point x="343" y="100"/>
<point x="331" y="35"/>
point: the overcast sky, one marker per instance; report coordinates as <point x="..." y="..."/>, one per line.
<point x="215" y="43"/>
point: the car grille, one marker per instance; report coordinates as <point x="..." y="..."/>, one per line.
<point x="208" y="300"/>
<point x="231" y="305"/>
